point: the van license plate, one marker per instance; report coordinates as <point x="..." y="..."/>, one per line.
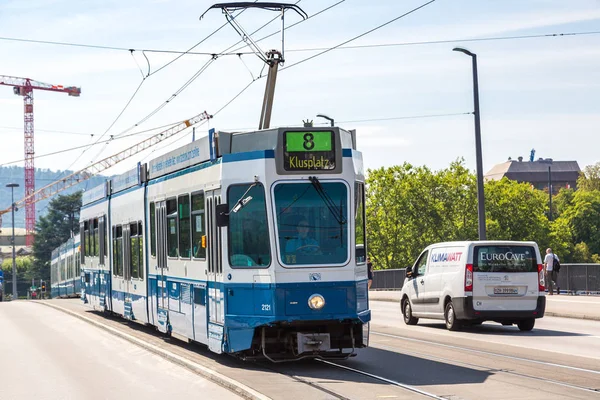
<point x="506" y="290"/>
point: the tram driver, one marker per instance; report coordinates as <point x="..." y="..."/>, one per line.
<point x="302" y="244"/>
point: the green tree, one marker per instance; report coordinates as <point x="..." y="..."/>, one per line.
<point x="410" y="207"/>
<point x="515" y="211"/>
<point x="589" y="178"/>
<point x="24" y="268"/>
<point x="583" y="219"/>
<point x="54" y="229"/>
<point x="560" y="240"/>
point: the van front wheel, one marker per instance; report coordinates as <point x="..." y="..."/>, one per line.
<point x="407" y="313"/>
<point x="526" y="325"/>
<point x="450" y="317"/>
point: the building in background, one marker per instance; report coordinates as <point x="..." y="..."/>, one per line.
<point x="6" y="246"/>
<point x="564" y="174"/>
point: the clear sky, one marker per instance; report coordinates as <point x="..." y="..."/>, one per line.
<point x="540" y="93"/>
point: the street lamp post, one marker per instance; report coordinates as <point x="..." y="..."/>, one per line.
<point x="550" y="191"/>
<point x="480" y="195"/>
<point x="549" y="162"/>
<point x="15" y="296"/>
<point x="327" y="118"/>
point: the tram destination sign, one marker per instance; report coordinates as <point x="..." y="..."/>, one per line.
<point x="308" y="150"/>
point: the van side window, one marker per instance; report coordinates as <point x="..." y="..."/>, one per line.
<point x="422" y="263"/>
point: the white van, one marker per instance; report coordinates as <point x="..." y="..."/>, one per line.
<point x="471" y="282"/>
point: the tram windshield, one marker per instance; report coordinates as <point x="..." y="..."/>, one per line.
<point x="312" y="222"/>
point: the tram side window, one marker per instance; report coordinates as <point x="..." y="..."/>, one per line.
<point x="198" y="227"/>
<point x="248" y="229"/>
<point x="134" y="252"/>
<point x="86" y="238"/>
<point x="102" y="244"/>
<point x="141" y="249"/>
<point x="77" y="264"/>
<point x="172" y="228"/>
<point x="96" y="241"/>
<point x="118" y="250"/>
<point x="152" y="229"/>
<point x="359" y="221"/>
<point x="105" y="233"/>
<point x="184" y="226"/>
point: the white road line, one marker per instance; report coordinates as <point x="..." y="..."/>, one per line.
<point x="488" y="369"/>
<point x="449" y="346"/>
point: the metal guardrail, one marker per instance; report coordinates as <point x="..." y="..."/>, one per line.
<point x="573" y="278"/>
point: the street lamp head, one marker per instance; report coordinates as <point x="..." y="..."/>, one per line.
<point x="462" y="50"/>
<point x="12" y="185"/>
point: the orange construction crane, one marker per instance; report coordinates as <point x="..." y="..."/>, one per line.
<point x="24" y="87"/>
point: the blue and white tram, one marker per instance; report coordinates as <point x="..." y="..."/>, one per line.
<point x="254" y="244"/>
<point x="65" y="270"/>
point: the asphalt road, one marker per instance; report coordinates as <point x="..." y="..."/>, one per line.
<point x="490" y="361"/>
<point x="49" y="355"/>
<point x="559" y="359"/>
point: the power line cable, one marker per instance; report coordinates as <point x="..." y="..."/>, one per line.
<point x="198" y="44"/>
<point x="140" y="85"/>
<point x="237" y="53"/>
<point x="198" y="73"/>
<point x="359" y="36"/>
<point x="47" y="130"/>
<point x="111" y="125"/>
<point x="183" y="87"/>
<point x="89" y="145"/>
<point x="291" y="26"/>
<point x="375" y="45"/>
<point x="369" y="120"/>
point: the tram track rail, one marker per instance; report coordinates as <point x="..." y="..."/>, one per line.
<point x="490" y="354"/>
<point x="383" y="379"/>
<point x="339" y="396"/>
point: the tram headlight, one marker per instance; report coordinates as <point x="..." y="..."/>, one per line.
<point x="316" y="301"/>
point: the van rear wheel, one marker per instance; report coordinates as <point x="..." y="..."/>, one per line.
<point x="407" y="313"/>
<point x="450" y="317"/>
<point x="526" y="325"/>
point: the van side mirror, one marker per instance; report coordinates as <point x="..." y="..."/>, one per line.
<point x="222" y="211"/>
<point x="409" y="272"/>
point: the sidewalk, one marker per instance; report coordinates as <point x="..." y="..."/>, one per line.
<point x="582" y="307"/>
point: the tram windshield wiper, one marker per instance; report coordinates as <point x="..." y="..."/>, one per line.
<point x="331" y="206"/>
<point x="243" y="200"/>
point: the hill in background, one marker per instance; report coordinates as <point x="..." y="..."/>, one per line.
<point x="43" y="177"/>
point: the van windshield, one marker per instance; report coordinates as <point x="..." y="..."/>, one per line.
<point x="504" y="259"/>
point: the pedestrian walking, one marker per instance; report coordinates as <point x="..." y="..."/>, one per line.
<point x="551" y="267"/>
<point x="370" y="271"/>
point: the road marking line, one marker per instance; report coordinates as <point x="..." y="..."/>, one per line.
<point x="486" y="352"/>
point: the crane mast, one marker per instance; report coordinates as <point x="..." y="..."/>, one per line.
<point x="24" y="87"/>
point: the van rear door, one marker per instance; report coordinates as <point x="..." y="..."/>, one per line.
<point x="505" y="277"/>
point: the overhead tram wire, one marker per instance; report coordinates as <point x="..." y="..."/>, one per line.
<point x="182" y="88"/>
<point x="89" y="145"/>
<point x="198" y="44"/>
<point x="14" y="128"/>
<point x="361" y="35"/>
<point x="214" y="57"/>
<point x="429" y="42"/>
<point x="292" y="25"/>
<point x="374" y="45"/>
<point x="304" y="60"/>
<point x="319" y="54"/>
<point x="242" y="129"/>
<point x="140" y="85"/>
